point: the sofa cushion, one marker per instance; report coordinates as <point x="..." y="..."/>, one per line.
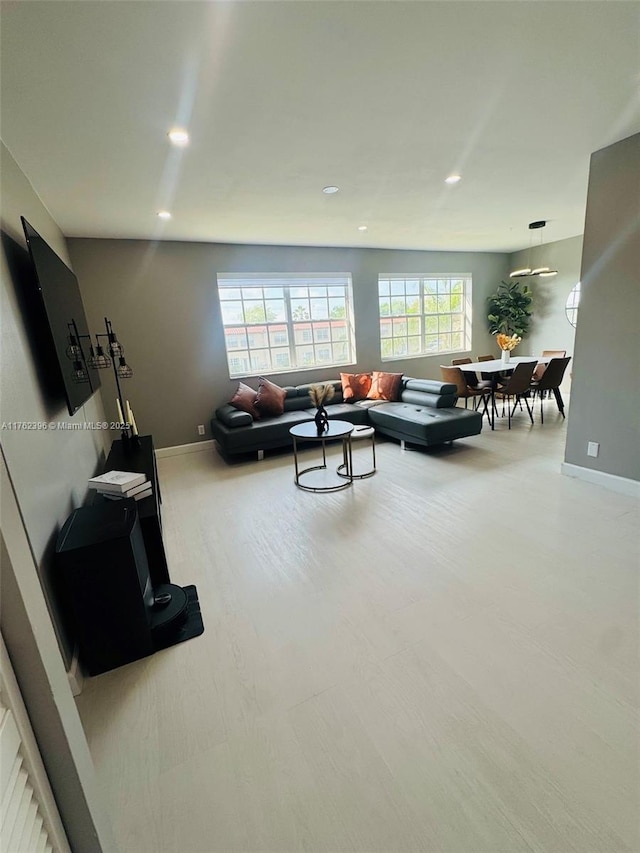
<point x="432" y="401"/>
<point x="355" y="386"/>
<point x="303" y="390"/>
<point x="233" y="417"/>
<point x="430" y="386"/>
<point x="271" y="397"/>
<point x="351" y="412"/>
<point x="385" y="386"/>
<point x="297" y="404"/>
<point x="245" y="400"/>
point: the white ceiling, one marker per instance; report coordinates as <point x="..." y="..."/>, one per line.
<point x="383" y="99"/>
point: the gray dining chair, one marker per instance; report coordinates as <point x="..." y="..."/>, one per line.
<point x="517" y="386"/>
<point x="551" y="380"/>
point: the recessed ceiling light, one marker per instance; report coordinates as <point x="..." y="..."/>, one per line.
<point x="330" y="190"/>
<point x="179" y="136"/>
<point x="453" y="179"/>
<point x="164" y="214"/>
<point x="363" y="227"/>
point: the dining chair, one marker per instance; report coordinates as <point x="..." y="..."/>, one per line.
<point x="550" y="381"/>
<point x="540" y="368"/>
<point x="471" y="377"/>
<point x="490" y="377"/>
<point x="517" y="386"/>
<point x="464" y="390"/>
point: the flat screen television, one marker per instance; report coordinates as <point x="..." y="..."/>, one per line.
<point x="58" y="288"/>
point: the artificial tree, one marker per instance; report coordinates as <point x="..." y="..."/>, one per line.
<point x="509" y="309"/>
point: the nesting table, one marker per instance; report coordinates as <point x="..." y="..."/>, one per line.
<point x="318" y="478"/>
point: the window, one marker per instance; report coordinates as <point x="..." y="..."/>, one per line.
<point x="424" y="315"/>
<point x="573" y="301"/>
<point x="279" y="322"/>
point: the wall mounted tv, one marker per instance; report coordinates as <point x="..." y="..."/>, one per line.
<point x="58" y="288"/>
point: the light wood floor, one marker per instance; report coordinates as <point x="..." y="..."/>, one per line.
<point x="443" y="658"/>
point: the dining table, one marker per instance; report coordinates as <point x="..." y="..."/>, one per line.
<point x="497" y="365"/>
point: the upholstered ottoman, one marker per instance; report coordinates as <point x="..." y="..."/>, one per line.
<point x="423" y="424"/>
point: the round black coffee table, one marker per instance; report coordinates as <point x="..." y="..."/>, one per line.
<point x="318" y="478"/>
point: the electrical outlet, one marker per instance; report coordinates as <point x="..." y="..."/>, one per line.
<point x="200" y="429"/>
<point x="593" y="448"/>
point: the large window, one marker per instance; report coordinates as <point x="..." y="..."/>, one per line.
<point x="424" y="315"/>
<point x="274" y="323"/>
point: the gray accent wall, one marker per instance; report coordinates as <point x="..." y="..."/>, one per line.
<point x="550" y="328"/>
<point x="606" y="378"/>
<point x="162" y="299"/>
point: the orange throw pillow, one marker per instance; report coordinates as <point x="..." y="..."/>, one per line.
<point x="270" y="399"/>
<point x="245" y="399"/>
<point x="385" y="386"/>
<point x="355" y="386"/>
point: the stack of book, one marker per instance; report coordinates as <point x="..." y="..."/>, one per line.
<point x="116" y="485"/>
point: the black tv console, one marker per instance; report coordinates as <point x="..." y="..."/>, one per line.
<point x="121" y="601"/>
<point x="138" y="455"/>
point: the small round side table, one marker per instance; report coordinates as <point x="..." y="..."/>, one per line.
<point x="316" y="477"/>
<point x="360" y="432"/>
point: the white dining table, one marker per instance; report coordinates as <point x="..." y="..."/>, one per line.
<point x="497" y="366"/>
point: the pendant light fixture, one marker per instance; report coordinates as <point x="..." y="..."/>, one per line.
<point x="543" y="272"/>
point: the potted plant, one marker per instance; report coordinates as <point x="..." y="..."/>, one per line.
<point x="509" y="309"/>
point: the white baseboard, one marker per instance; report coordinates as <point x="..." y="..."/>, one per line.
<point x="179" y="449"/>
<point x="600" y="478"/>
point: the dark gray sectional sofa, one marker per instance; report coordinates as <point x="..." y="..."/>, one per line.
<point x="425" y="415"/>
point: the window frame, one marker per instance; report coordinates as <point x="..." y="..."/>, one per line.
<point x="422" y="314"/>
<point x="572" y="304"/>
<point x="286" y="289"/>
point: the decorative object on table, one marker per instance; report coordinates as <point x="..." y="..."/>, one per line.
<point x="144" y="490"/>
<point x="321" y="394"/>
<point x="117" y="482"/>
<point x="543" y="272"/>
<point x="510" y="309"/>
<point x="507" y="344"/>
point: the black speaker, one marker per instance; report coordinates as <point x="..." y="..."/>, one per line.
<point x="101" y="555"/>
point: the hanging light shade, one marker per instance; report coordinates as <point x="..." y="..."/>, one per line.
<point x="123" y="370"/>
<point x="543" y="272"/>
<point x="99" y="360"/>
<point x="115" y="347"/>
<point x="79" y="374"/>
<point x="73" y="351"/>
